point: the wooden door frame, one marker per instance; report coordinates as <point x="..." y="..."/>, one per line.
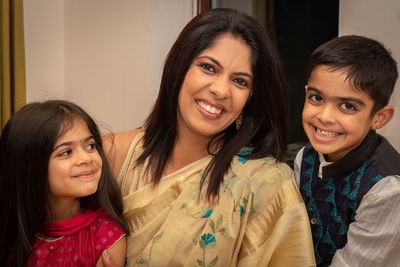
<point x="203" y="5"/>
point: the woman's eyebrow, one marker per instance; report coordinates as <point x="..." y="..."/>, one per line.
<point x="219" y="65"/>
<point x="212" y="59"/>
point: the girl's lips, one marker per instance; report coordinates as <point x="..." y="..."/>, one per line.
<point x="87" y="174"/>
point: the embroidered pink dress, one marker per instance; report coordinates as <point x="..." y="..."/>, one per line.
<point x="80" y="241"/>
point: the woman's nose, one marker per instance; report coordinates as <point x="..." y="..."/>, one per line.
<point x="220" y="87"/>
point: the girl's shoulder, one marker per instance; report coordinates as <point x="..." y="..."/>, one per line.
<point x="106" y="227"/>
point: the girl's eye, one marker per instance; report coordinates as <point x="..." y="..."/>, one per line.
<point x="241" y="82"/>
<point x="207" y="67"/>
<point x="316" y="98"/>
<point x="91" y="146"/>
<point x="64" y="153"/>
<point x="348" y="107"/>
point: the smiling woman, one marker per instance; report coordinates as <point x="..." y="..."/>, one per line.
<point x="202" y="180"/>
<point x="215" y="89"/>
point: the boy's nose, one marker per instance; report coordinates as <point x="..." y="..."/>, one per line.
<point x="220" y="87"/>
<point x="326" y="114"/>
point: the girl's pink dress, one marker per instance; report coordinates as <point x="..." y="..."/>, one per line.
<point x="80" y="243"/>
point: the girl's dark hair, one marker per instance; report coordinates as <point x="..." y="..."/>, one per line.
<point x="370" y="67"/>
<point x="26" y="144"/>
<point x="264" y="126"/>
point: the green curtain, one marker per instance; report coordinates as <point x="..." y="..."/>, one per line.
<point x="12" y="57"/>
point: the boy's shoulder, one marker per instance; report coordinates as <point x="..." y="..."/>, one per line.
<point x="375" y="149"/>
<point x="386" y="158"/>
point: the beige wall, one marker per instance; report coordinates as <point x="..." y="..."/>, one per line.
<point x="44" y="48"/>
<point x="379" y="20"/>
<point x="105" y="55"/>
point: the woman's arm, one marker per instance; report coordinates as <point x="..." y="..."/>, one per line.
<point x="116" y="147"/>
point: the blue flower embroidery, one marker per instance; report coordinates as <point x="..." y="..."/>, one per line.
<point x="241" y="210"/>
<point x="207" y="214"/>
<point x="243" y="152"/>
<point x="208" y="239"/>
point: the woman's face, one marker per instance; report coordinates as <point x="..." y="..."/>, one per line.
<point x="215" y="89"/>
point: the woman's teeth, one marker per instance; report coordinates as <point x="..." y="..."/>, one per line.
<point x="209" y="108"/>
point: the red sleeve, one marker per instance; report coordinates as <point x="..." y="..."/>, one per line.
<point x="107" y="233"/>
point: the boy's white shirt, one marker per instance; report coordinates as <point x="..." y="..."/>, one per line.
<point x="322" y="164"/>
<point x="374" y="238"/>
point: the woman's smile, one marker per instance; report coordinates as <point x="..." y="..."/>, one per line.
<point x="210" y="111"/>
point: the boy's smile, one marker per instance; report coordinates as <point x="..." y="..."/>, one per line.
<point x="336" y="116"/>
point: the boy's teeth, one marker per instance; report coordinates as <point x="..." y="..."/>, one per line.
<point x="209" y="108"/>
<point x="326" y="133"/>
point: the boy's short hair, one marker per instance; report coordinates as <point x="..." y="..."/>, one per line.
<point x="369" y="65"/>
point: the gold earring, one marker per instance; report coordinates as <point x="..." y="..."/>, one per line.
<point x="239" y="121"/>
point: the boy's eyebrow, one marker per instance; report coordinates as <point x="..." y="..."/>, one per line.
<point x="70" y="143"/>
<point x="342" y="99"/>
<point x="219" y="65"/>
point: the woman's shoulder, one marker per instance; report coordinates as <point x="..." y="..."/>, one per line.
<point x="116" y="146"/>
<point x="266" y="178"/>
<point x="264" y="167"/>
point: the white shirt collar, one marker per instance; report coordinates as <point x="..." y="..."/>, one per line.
<point x="322" y="164"/>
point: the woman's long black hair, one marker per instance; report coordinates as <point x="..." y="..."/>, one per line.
<point x="26" y="144"/>
<point x="264" y="126"/>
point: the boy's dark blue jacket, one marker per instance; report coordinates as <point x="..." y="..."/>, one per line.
<point x="332" y="201"/>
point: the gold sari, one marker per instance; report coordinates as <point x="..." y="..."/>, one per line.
<point x="258" y="220"/>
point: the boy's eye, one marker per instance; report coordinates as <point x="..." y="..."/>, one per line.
<point x="207" y="67"/>
<point x="316" y="98"/>
<point x="348" y="107"/>
<point x="241" y="82"/>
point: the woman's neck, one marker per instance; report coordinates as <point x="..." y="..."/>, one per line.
<point x="186" y="151"/>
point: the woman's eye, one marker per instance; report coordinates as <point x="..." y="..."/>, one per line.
<point x="348" y="107"/>
<point x="207" y="67"/>
<point x="316" y="98"/>
<point x="241" y="82"/>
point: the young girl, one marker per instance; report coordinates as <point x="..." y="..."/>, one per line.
<point x="59" y="204"/>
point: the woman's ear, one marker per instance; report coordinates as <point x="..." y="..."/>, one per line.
<point x="382" y="116"/>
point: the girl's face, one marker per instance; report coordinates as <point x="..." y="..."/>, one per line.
<point x="74" y="165"/>
<point x="215" y="88"/>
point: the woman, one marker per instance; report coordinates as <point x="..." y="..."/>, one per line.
<point x="202" y="180"/>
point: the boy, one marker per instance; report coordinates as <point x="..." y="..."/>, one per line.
<point x="348" y="175"/>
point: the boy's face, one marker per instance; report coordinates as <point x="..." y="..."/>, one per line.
<point x="336" y="116"/>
